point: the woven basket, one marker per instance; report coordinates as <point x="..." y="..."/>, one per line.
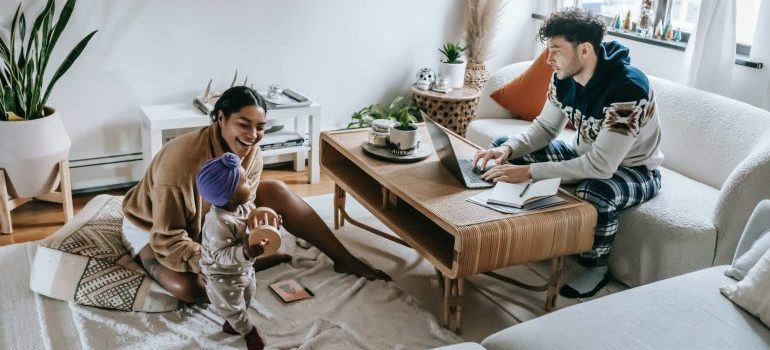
<point x="476" y="75"/>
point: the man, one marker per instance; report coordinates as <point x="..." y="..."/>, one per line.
<point x="614" y="156"/>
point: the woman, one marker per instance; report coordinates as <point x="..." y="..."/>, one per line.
<point x="164" y="212"/>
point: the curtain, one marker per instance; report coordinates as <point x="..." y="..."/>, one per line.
<point x="710" y="53"/>
<point x="760" y="52"/>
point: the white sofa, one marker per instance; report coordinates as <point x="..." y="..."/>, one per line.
<point x="683" y="312"/>
<point x="716" y="169"/>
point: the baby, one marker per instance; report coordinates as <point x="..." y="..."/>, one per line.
<point x="227" y="259"/>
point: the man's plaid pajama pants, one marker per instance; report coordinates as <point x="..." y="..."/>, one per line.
<point x="627" y="187"/>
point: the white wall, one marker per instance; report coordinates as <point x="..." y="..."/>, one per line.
<point x="345" y="54"/>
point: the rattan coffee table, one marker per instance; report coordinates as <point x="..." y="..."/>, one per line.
<point x="425" y="205"/>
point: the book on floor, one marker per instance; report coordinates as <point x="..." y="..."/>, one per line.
<point x="291" y="290"/>
<point x="521" y="194"/>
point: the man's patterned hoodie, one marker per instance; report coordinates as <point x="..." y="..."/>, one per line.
<point x="614" y="113"/>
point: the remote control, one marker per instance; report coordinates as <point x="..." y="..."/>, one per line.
<point x="294" y="96"/>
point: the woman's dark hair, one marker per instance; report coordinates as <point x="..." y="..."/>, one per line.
<point x="576" y="26"/>
<point x="235" y="98"/>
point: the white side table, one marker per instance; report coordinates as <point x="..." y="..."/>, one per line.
<point x="183" y="115"/>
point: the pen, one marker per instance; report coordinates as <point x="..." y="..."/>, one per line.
<point x="525" y="189"/>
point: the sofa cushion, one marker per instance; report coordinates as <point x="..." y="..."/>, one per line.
<point x="524" y="96"/>
<point x="671" y="234"/>
<point x="483" y="131"/>
<point x="488" y="108"/>
<point x="751" y="293"/>
<point x="686" y="312"/>
<point x="745" y="262"/>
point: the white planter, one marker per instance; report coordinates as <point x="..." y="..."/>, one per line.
<point x="403" y="139"/>
<point x="29" y="152"/>
<point x="454" y="72"/>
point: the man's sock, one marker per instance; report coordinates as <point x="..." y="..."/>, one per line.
<point x="586" y="283"/>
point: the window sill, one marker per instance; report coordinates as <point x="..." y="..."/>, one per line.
<point x="674" y="45"/>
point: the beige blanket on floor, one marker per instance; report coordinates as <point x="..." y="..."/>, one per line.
<point x="347" y="312"/>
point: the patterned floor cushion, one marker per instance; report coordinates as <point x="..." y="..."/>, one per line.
<point x="85" y="262"/>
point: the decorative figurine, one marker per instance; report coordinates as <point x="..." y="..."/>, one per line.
<point x="678" y="35"/>
<point x="616" y="22"/>
<point x="425" y="79"/>
<point x="670" y="33"/>
<point x="658" y="31"/>
<point x="627" y="21"/>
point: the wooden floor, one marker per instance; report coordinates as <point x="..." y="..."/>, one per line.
<point x="36" y="220"/>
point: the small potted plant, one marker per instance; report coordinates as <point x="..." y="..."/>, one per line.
<point x="453" y="67"/>
<point x="403" y="133"/>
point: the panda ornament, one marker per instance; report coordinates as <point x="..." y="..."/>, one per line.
<point x="425" y="79"/>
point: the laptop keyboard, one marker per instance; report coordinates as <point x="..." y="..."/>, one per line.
<point x="471" y="174"/>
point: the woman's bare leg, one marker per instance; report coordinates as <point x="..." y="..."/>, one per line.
<point x="186" y="286"/>
<point x="302" y="221"/>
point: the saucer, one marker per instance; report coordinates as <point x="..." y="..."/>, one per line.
<point x="441" y="90"/>
<point x="383" y="153"/>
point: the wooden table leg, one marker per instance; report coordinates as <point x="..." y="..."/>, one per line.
<point x="557" y="265"/>
<point x="454" y="288"/>
<point x="339" y="205"/>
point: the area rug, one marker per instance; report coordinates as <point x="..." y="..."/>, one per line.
<point x="347" y="312"/>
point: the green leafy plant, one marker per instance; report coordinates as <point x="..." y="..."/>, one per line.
<point x="452" y="52"/>
<point x="24" y="64"/>
<point x="398" y="110"/>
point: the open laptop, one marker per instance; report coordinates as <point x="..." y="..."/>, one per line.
<point x="462" y="168"/>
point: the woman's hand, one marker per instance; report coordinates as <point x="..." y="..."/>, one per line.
<point x="499" y="154"/>
<point x="508" y="173"/>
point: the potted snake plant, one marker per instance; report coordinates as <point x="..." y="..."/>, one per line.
<point x="32" y="136"/>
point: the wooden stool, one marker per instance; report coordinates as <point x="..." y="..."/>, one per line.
<point x="453" y="110"/>
<point x="9" y="199"/>
<point x="263" y="223"/>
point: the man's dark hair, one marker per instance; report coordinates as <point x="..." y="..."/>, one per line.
<point x="576" y="26"/>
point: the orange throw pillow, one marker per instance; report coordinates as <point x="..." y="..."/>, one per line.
<point x="525" y="96"/>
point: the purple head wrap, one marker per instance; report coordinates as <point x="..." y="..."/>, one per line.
<point x="218" y="178"/>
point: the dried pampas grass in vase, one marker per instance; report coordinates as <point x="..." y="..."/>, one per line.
<point x="483" y="16"/>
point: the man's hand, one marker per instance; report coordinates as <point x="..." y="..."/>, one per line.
<point x="508" y="173"/>
<point x="498" y="154"/>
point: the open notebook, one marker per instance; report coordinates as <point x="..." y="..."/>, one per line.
<point x="519" y="195"/>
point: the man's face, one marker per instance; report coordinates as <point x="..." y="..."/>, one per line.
<point x="563" y="57"/>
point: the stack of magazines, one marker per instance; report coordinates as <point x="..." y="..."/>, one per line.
<point x="281" y="139"/>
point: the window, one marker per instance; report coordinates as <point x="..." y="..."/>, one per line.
<point x="746" y="20"/>
<point x="683" y="14"/>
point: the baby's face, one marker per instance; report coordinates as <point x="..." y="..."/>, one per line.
<point x="243" y="191"/>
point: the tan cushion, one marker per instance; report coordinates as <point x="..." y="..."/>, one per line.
<point x="85" y="262"/>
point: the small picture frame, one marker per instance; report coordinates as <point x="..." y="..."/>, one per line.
<point x="291" y="290"/>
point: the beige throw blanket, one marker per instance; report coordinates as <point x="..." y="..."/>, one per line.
<point x="347" y="313"/>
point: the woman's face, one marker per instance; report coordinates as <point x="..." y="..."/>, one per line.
<point x="243" y="130"/>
